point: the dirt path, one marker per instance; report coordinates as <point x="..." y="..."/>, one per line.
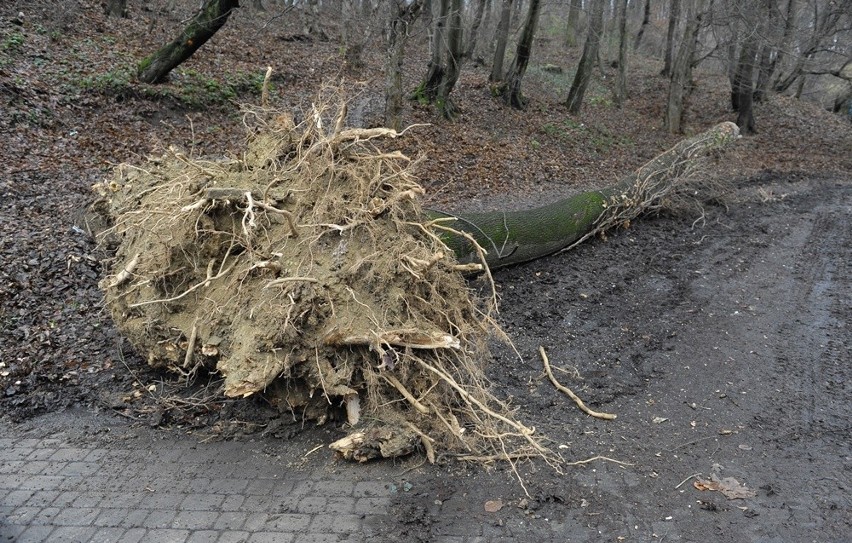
<point x="724" y="350"/>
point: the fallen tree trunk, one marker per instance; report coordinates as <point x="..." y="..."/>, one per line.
<point x="512" y="237"/>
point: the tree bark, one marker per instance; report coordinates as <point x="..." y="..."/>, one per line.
<point x="519" y="236"/>
<point x="621" y="76"/>
<point x="445" y="64"/>
<point x="209" y="19"/>
<point x="786" y="39"/>
<point x="587" y="60"/>
<point x="473" y="35"/>
<point x="646" y="18"/>
<point x="681" y="72"/>
<point x="402" y="16"/>
<point x="768" y="50"/>
<point x="512" y="89"/>
<point x="742" y="92"/>
<point x="674" y="17"/>
<point x="501" y="38"/>
<point x="573" y="22"/>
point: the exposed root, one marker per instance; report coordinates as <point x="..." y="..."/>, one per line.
<point x="303" y="269"/>
<point x="566" y="390"/>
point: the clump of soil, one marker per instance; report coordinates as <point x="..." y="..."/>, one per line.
<point x="304" y="270"/>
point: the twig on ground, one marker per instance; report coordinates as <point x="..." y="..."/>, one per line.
<point x="566" y="390"/>
<point x="595" y="458"/>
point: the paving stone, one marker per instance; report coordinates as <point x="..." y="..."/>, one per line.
<point x="76" y="516"/>
<point x="69" y="455"/>
<point x="288" y="522"/>
<point x="107" y="535"/>
<point x="35" y="534"/>
<point x="42" y="498"/>
<point x="134" y="535"/>
<point x="272" y="537"/>
<point x="234" y="537"/>
<point x="340" y="505"/>
<point x="195" y="520"/>
<point x="255" y="521"/>
<point x="323" y="538"/>
<point x="334" y="488"/>
<point x="15" y="498"/>
<point x="166" y="536"/>
<point x="337" y="523"/>
<point x="371" y="489"/>
<point x="202" y="502"/>
<point x="73" y="534"/>
<point x="230" y="520"/>
<point x="232" y="502"/>
<point x="203" y="536"/>
<point x="159" y="519"/>
<point x="371" y="505"/>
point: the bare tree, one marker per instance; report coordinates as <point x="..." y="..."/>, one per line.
<point x="209" y="19"/>
<point x="646" y="18"/>
<point x="674" y="17"/>
<point x="588" y="59"/>
<point x="445" y="62"/>
<point x="403" y="15"/>
<point x="573" y="22"/>
<point x="473" y="35"/>
<point x="512" y="87"/>
<point x="621" y="77"/>
<point x="501" y="38"/>
<point x="681" y="72"/>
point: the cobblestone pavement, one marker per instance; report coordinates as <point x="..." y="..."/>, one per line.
<point x="112" y="483"/>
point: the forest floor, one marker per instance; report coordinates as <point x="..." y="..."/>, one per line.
<point x="719" y="334"/>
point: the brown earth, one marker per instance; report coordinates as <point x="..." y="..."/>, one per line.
<point x="720" y="338"/>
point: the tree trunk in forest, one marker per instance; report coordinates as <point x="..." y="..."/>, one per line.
<point x="436" y="68"/>
<point x="646" y="18"/>
<point x="674" y="16"/>
<point x="473" y="35"/>
<point x="621" y="76"/>
<point x="501" y="38"/>
<point x="681" y="72"/>
<point x="210" y="18"/>
<point x="512" y="87"/>
<point x="116" y="8"/>
<point x="403" y="15"/>
<point x="445" y="63"/>
<point x="786" y="40"/>
<point x="573" y="22"/>
<point x="587" y="60"/>
<point x="767" y="51"/>
<point x="742" y="91"/>
<point x="519" y="236"/>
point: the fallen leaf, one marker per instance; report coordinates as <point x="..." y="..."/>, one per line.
<point x="492" y="506"/>
<point x="729" y="487"/>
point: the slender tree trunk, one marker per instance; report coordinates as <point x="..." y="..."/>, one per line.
<point x="501" y="38"/>
<point x="587" y="61"/>
<point x="435" y="70"/>
<point x="210" y="18"/>
<point x="512" y="89"/>
<point x="453" y="59"/>
<point x="742" y="92"/>
<point x="681" y="72"/>
<point x="646" y="18"/>
<point x="402" y="16"/>
<point x="767" y="51"/>
<point x="621" y="77"/>
<point x="786" y="40"/>
<point x="573" y="22"/>
<point x="674" y="17"/>
<point x="473" y="35"/>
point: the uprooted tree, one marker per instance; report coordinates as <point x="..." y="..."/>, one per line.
<point x="306" y="271"/>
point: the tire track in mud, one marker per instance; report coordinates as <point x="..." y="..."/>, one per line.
<point x="822" y="282"/>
